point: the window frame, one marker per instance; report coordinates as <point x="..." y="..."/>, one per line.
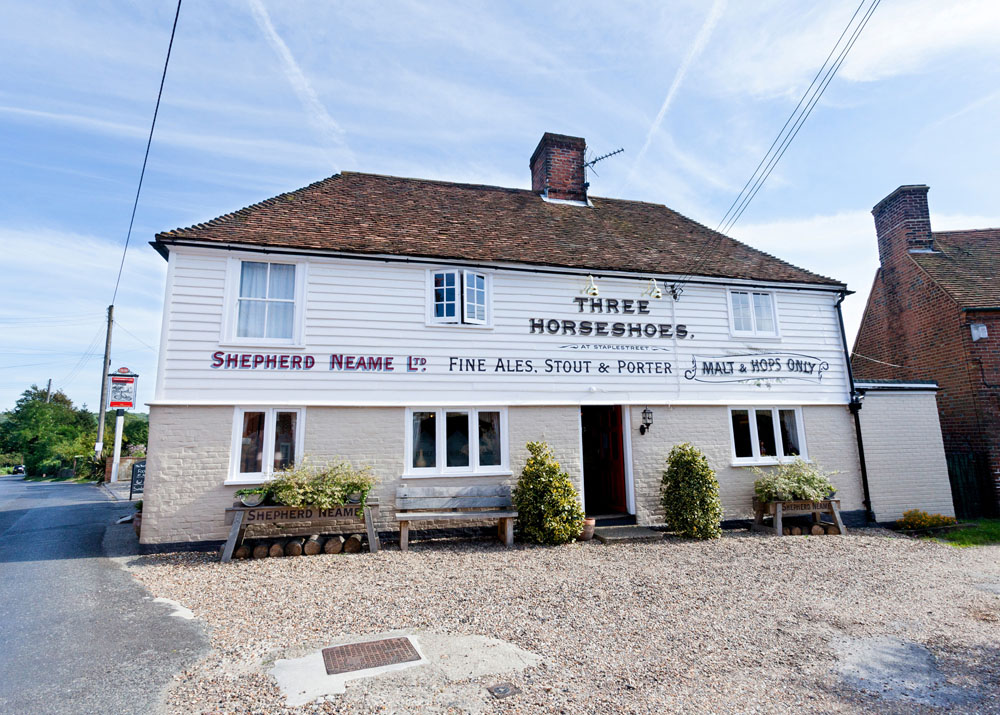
<point x="756" y="460"/>
<point x="733" y="332"/>
<point x="460" y="319"/>
<point x="440" y="437"/>
<point x="231" y="302"/>
<point x="234" y="476"/>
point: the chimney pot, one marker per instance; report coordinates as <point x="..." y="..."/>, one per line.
<point x="557" y="170"/>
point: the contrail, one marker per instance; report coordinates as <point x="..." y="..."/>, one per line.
<point x="699" y="44"/>
<point x="331" y="131"/>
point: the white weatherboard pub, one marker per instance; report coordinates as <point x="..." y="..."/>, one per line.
<point x="432" y="329"/>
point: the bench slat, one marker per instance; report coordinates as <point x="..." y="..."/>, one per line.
<point x="451" y="502"/>
<point x="444" y="515"/>
<point x="491" y="490"/>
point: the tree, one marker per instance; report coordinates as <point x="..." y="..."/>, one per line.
<point x="47" y="434"/>
<point x="689" y="494"/>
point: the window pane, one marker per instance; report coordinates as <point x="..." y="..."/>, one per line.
<point x="741" y="433"/>
<point x="765" y="433"/>
<point x="475" y="297"/>
<point x="253" y="280"/>
<point x="763" y="312"/>
<point x="282" y="282"/>
<point x="445" y="295"/>
<point x="279" y="319"/>
<point x="252" y="447"/>
<point x="489" y="439"/>
<point x="789" y="433"/>
<point x="284" y="440"/>
<point x="424" y="444"/>
<point x="250" y="319"/>
<point x="741" y="312"/>
<point x="457" y="439"/>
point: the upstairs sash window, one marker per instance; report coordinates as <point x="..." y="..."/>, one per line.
<point x="459" y="297"/>
<point x="752" y="313"/>
<point x="266" y="303"/>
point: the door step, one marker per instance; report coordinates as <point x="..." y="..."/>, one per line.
<point x="608" y="534"/>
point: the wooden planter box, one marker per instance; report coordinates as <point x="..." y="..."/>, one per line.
<point x="778" y="510"/>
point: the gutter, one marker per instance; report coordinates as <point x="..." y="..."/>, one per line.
<point x="855" y="408"/>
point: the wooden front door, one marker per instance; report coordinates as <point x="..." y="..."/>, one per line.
<point x="603" y="460"/>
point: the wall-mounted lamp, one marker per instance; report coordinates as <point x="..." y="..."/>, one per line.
<point x="591" y="288"/>
<point x="653" y="289"/>
<point x="647" y="421"/>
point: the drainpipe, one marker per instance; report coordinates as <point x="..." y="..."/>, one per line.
<point x="855" y="408"/>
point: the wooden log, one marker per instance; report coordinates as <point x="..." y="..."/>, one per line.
<point x="313" y="545"/>
<point x="241" y="552"/>
<point x="832" y="529"/>
<point x="333" y="545"/>
<point x="796" y="531"/>
<point x="786" y="531"/>
<point x="277" y="548"/>
<point x="260" y="550"/>
<point x="353" y="544"/>
<point x="817" y="530"/>
<point x="294" y="546"/>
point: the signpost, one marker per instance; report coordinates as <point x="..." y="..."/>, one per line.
<point x="122" y="391"/>
<point x="138" y="479"/>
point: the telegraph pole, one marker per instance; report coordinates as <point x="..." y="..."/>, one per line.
<point x="48" y="392"/>
<point x="105" y="368"/>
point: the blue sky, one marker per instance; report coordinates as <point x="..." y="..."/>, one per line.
<point x="265" y="96"/>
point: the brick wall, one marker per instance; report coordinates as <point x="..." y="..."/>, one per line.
<point x="830" y="441"/>
<point x="557" y="165"/>
<point x="913" y="330"/>
<point x="904" y="453"/>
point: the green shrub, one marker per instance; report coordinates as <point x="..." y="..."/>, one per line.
<point x="917" y="519"/>
<point x="547" y="503"/>
<point x="689" y="493"/>
<point x="323" y="487"/>
<point x="795" y="481"/>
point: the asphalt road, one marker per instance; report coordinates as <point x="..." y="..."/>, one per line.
<point x="77" y="633"/>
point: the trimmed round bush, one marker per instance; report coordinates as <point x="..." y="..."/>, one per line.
<point x="689" y="493"/>
<point x="547" y="503"/>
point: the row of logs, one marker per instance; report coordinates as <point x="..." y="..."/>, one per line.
<point x="814" y="530"/>
<point x="299" y="545"/>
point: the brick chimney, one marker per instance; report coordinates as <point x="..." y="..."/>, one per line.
<point x="903" y="223"/>
<point x="557" y="167"/>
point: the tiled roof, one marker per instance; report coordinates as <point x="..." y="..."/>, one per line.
<point x="371" y="214"/>
<point x="966" y="264"/>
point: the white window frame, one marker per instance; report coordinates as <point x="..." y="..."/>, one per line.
<point x="460" y="319"/>
<point x="756" y="459"/>
<point x="270" y="420"/>
<point x="733" y="332"/>
<point x="231" y="299"/>
<point x="440" y="470"/>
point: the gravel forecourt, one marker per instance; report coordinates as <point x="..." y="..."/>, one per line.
<point x="745" y="623"/>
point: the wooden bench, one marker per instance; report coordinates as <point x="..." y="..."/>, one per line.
<point x="491" y="502"/>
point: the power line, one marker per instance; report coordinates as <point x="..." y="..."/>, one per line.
<point x="140" y="340"/>
<point x="145" y="159"/>
<point x="783" y="138"/>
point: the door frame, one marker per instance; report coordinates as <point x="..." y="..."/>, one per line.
<point x="626" y="455"/>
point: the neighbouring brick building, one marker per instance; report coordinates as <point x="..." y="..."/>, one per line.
<point x="934" y="314"/>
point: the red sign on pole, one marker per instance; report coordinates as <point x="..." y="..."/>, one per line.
<point x="123" y="385"/>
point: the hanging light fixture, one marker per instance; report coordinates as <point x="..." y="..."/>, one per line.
<point x="591" y="288"/>
<point x="653" y="289"/>
<point x="647" y="421"/>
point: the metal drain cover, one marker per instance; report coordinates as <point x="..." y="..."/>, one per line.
<point x="370" y="654"/>
<point x="503" y="690"/>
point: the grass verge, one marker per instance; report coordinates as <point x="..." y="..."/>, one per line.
<point x="985" y="532"/>
<point x="66" y="480"/>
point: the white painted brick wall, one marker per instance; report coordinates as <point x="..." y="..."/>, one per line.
<point x="904" y="453"/>
<point x="830" y="441"/>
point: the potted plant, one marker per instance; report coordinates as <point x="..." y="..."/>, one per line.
<point x="794" y="481"/>
<point x="253" y="496"/>
<point x="137" y="518"/>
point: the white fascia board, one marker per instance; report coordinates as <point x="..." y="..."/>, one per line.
<point x="753" y="401"/>
<point x="205" y="248"/>
<point x="889" y="386"/>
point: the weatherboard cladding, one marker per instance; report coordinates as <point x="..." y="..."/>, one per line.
<point x="371" y="214"/>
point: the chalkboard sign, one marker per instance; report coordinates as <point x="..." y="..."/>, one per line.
<point x="138" y="478"/>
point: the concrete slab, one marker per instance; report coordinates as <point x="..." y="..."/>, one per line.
<point x="896" y="669"/>
<point x="608" y="534"/>
<point x="442" y="675"/>
<point x="989" y="587"/>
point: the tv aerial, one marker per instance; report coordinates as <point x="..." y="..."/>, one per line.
<point x="602" y="157"/>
